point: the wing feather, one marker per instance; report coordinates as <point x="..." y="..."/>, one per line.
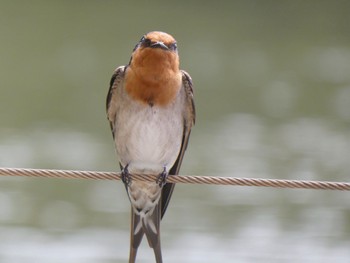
<point x="189" y="120"/>
<point x="114" y="86"/>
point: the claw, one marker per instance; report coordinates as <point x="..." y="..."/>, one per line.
<point x="161" y="180"/>
<point x="125" y="176"/>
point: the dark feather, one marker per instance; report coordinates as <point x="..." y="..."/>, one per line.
<point x="117" y="77"/>
<point x="189" y="120"/>
<point x="153" y="235"/>
<point x="135" y="239"/>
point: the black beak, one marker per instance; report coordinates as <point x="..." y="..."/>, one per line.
<point x="159" y="44"/>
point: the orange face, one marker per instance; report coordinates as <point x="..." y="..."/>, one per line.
<point x="156" y="49"/>
<point x="153" y="74"/>
<point x="157" y="36"/>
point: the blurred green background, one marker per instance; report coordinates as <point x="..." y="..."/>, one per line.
<point x="272" y="91"/>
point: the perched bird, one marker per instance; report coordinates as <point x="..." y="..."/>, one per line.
<point x="151" y="112"/>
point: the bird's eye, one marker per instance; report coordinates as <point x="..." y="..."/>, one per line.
<point x="145" y="42"/>
<point x="173" y="46"/>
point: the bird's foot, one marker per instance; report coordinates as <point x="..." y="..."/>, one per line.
<point x="161" y="180"/>
<point x="125" y="176"/>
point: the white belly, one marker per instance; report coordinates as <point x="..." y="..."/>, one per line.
<point x="149" y="139"/>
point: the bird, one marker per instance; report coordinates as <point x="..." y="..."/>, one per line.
<point x="151" y="111"/>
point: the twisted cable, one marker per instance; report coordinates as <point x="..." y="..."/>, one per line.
<point x="186" y="179"/>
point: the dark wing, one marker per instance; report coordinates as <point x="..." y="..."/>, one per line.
<point x="189" y="120"/>
<point x="111" y="105"/>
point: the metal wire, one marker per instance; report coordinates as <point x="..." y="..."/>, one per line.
<point x="187" y="179"/>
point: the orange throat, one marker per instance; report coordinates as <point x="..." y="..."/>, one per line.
<point x="153" y="77"/>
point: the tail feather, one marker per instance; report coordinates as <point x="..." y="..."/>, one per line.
<point x="132" y="256"/>
<point x="136" y="235"/>
<point x="148" y="224"/>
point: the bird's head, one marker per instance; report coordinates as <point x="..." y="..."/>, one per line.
<point x="156" y="49"/>
<point x="153" y="75"/>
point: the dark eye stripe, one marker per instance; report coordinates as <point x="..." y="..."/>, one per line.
<point x="146" y="42"/>
<point x="173" y="46"/>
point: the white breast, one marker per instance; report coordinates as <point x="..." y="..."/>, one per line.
<point x="149" y="138"/>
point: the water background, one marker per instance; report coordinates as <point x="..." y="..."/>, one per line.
<point x="272" y="92"/>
